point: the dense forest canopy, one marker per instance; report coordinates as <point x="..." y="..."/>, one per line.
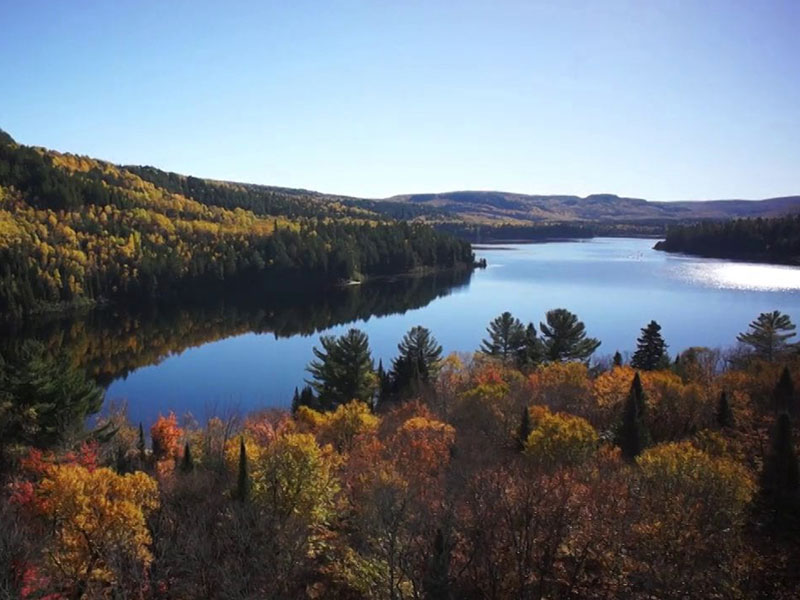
<point x="77" y="230"/>
<point x="771" y="240"/>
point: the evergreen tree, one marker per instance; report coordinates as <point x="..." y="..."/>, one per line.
<point x="506" y="337"/>
<point x="768" y="335"/>
<point x="437" y="576"/>
<point x="243" y="478"/>
<point x="343" y="370"/>
<point x="140" y="444"/>
<point x="724" y="411"/>
<point x="295" y="400"/>
<point x="780" y="479"/>
<point x="525" y="428"/>
<point x="617" y="359"/>
<point x="632" y="436"/>
<point x="565" y="337"/>
<point x="417" y="363"/>
<point x="783" y="395"/>
<point x="532" y="351"/>
<point x="651" y="351"/>
<point x="187" y="462"/>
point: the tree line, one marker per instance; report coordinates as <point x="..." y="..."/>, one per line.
<point x="767" y="240"/>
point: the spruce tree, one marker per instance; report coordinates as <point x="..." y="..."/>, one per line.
<point x="243" y="478"/>
<point x="532" y="350"/>
<point x="437" y="575"/>
<point x="187" y="462"/>
<point x="525" y="428"/>
<point x="783" y="395"/>
<point x="506" y="338"/>
<point x="724" y="412"/>
<point x="617" y="359"/>
<point x="651" y="351"/>
<point x="632" y="436"/>
<point x="140" y="444"/>
<point x="565" y="337"/>
<point x="295" y="400"/>
<point x="768" y="335"/>
<point x="780" y="479"/>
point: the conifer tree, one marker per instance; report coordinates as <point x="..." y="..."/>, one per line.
<point x="437" y="576"/>
<point x="140" y="444"/>
<point x="651" y="351"/>
<point x="780" y="478"/>
<point x="525" y="428"/>
<point x="565" y="337"/>
<point x="187" y="462"/>
<point x="768" y="335"/>
<point x="295" y="400"/>
<point x="243" y="478"/>
<point x="532" y="350"/>
<point x="343" y="370"/>
<point x="632" y="436"/>
<point x="784" y="395"/>
<point x="724" y="411"/>
<point x="617" y="359"/>
<point x="417" y="363"/>
<point x="506" y="338"/>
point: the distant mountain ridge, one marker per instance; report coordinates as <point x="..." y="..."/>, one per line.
<point x="502" y="206"/>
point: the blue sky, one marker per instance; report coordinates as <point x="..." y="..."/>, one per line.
<point x="668" y="100"/>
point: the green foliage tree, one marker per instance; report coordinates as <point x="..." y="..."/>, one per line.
<point x="565" y="337"/>
<point x="724" y="414"/>
<point x="524" y="429"/>
<point x="44" y="400"/>
<point x="242" y="492"/>
<point x="632" y="436"/>
<point x="532" y="351"/>
<point x="506" y="338"/>
<point x="768" y="335"/>
<point x="141" y="446"/>
<point x="783" y="396"/>
<point x="618" y="359"/>
<point x="780" y="478"/>
<point x="417" y="363"/>
<point x="187" y="462"/>
<point x="651" y="350"/>
<point x="343" y="370"/>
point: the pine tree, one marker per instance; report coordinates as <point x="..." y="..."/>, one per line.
<point x="417" y="363"/>
<point x="243" y="479"/>
<point x="617" y="359"/>
<point x="525" y="428"/>
<point x="768" y="335"/>
<point x="780" y="478"/>
<point x="506" y="338"/>
<point x="724" y="411"/>
<point x="187" y="462"/>
<point x="632" y="436"/>
<point x="651" y="351"/>
<point x="295" y="400"/>
<point x="783" y="395"/>
<point x="343" y="370"/>
<point x="565" y="337"/>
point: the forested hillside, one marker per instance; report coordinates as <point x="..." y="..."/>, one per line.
<point x="75" y="230"/>
<point x="769" y="240"/>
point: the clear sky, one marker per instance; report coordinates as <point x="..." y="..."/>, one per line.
<point x="667" y="100"/>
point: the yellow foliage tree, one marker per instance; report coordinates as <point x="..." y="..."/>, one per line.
<point x="559" y="438"/>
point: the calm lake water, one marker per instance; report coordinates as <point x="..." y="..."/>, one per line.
<point x="231" y="357"/>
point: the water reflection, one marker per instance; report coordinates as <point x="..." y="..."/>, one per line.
<point x="744" y="276"/>
<point x="111" y="343"/>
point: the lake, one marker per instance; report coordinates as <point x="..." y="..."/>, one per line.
<point x="250" y="353"/>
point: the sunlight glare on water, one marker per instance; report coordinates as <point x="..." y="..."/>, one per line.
<point x="745" y="276"/>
